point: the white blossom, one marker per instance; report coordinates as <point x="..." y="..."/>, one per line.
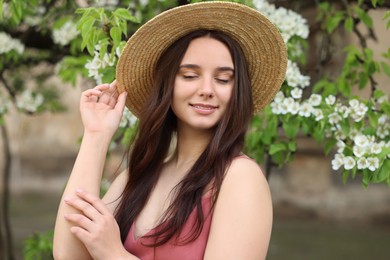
<point x="340" y="146"/>
<point x="290" y="105"/>
<point x="296" y="93"/>
<point x="334" y="118"/>
<point x="330" y="100"/>
<point x="29" y="101"/>
<point x="343" y="110"/>
<point x="337" y="162"/>
<point x="373" y="163"/>
<point x="128" y="119"/>
<point x="144" y="2"/>
<point x="7" y="44"/>
<point x="109" y="3"/>
<point x="294" y="108"/>
<point x="362" y="163"/>
<point x="361" y="140"/>
<point x="315" y="100"/>
<point x="354" y="103"/>
<point x="359" y="151"/>
<point x="383" y="119"/>
<point x="376" y="148"/>
<point x="382" y="132"/>
<point x="382" y="99"/>
<point x="305" y="109"/>
<point x="279" y="97"/>
<point x="294" y="77"/>
<point x="289" y="22"/>
<point x="65" y="34"/>
<point x="318" y="114"/>
<point x="276" y="108"/>
<point x="349" y="162"/>
<point x="359" y="112"/>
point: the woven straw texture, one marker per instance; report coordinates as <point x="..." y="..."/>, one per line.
<point x="263" y="46"/>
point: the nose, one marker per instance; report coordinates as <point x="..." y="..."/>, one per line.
<point x="206" y="88"/>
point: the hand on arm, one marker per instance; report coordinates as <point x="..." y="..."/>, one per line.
<point x="101" y="110"/>
<point x="96" y="227"/>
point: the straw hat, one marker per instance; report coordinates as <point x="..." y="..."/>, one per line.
<point x="260" y="40"/>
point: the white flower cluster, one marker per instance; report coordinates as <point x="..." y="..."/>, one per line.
<point x="128" y="119"/>
<point x="6" y="10"/>
<point x="294" y="77"/>
<point x="7" y="44"/>
<point x="93" y="66"/>
<point x="109" y="3"/>
<point x="289" y="105"/>
<point x="289" y="22"/>
<point x="29" y="101"/>
<point x="65" y="34"/>
<point x="365" y="150"/>
<point x="36" y="17"/>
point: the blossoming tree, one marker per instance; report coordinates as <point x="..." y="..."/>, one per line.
<point x="85" y="38"/>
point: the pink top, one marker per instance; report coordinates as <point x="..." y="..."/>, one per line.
<point x="191" y="251"/>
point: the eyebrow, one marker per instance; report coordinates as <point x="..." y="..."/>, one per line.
<point x="194" y="66"/>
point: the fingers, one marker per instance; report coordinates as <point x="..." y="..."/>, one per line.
<point x="80" y="221"/>
<point x="106" y="93"/>
<point x="92" y="201"/>
<point x="121" y="102"/>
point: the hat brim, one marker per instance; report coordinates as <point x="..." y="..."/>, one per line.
<point x="260" y="40"/>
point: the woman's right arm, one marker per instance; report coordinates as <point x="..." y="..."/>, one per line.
<point x="101" y="110"/>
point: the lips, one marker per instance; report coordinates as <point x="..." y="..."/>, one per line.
<point x="203" y="109"/>
<point x="203" y="106"/>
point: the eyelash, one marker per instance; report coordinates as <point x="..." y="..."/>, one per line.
<point x="222" y="81"/>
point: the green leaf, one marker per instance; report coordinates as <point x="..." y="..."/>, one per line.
<point x="374" y="2"/>
<point x="275" y="148"/>
<point x="386" y="68"/>
<point x="334" y="21"/>
<point x="1" y="10"/>
<point x="87" y="26"/>
<point x="291" y="127"/>
<point x="328" y="146"/>
<point x="108" y="74"/>
<point x="115" y="34"/>
<point x="363" y="79"/>
<point x="16" y="11"/>
<point x="385" y="106"/>
<point x="345" y="176"/>
<point x="292" y="146"/>
<point x="365" y="17"/>
<point x="125" y="14"/>
<point x="383" y="173"/>
<point x="348" y="24"/>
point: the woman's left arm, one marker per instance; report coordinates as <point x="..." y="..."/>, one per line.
<point x="242" y="219"/>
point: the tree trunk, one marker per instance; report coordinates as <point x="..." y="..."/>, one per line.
<point x="6" y="240"/>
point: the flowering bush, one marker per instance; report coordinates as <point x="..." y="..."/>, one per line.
<point x="89" y="35"/>
<point x="85" y="38"/>
<point x="331" y="114"/>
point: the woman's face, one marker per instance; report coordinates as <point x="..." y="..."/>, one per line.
<point x="203" y="84"/>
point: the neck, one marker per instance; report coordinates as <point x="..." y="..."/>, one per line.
<point x="190" y="145"/>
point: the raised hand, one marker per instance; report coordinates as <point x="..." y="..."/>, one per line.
<point x="102" y="108"/>
<point x="96" y="227"/>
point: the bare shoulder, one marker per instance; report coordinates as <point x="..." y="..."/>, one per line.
<point x="245" y="175"/>
<point x="114" y="192"/>
<point x="242" y="216"/>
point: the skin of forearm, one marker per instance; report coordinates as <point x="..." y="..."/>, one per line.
<point x="86" y="174"/>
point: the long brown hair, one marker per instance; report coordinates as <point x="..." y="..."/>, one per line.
<point x="156" y="127"/>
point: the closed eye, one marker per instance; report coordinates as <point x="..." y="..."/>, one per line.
<point x="223" y="81"/>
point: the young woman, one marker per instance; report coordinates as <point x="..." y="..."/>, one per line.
<point x="194" y="76"/>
